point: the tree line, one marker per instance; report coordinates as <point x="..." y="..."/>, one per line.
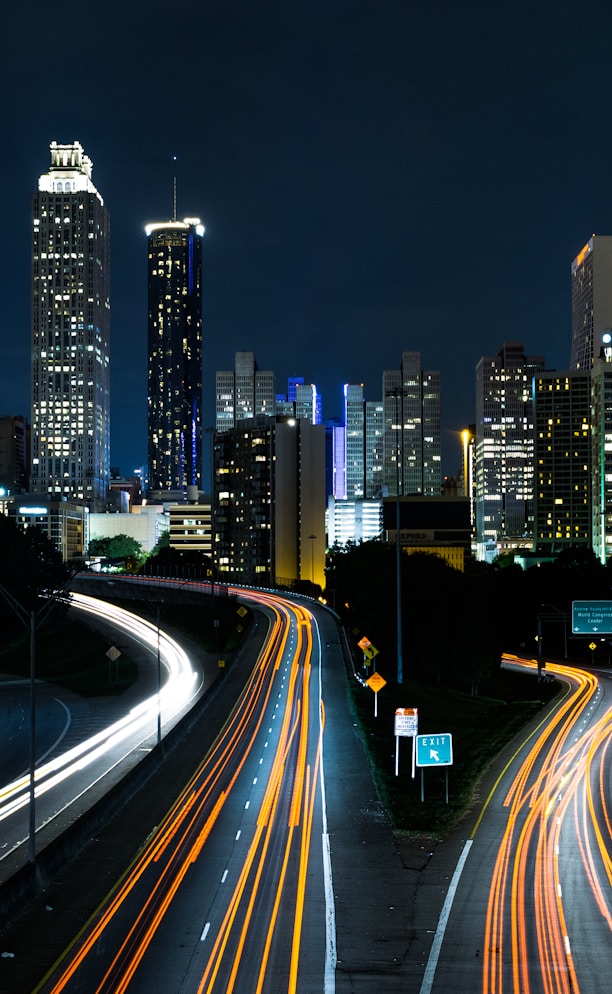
<point x="456" y="625"/>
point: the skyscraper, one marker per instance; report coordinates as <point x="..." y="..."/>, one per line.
<point x="562" y="460"/>
<point x="412" y="414"/>
<point x="354" y="425"/>
<point x="374" y="448"/>
<point x="70" y="330"/>
<point x="308" y="403"/>
<point x="269" y="501"/>
<point x="591" y="299"/>
<point x="243" y="392"/>
<point x="600" y="415"/>
<point x="175" y="355"/>
<point x="503" y="458"/>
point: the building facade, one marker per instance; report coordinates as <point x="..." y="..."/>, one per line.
<point x="269" y="502"/>
<point x="562" y="459"/>
<point x="175" y="355"/>
<point x="64" y="521"/>
<point x="504" y="450"/>
<point x="374" y="449"/>
<point x="591" y="274"/>
<point x="436" y="525"/>
<point x="412" y="440"/>
<point x="353" y="521"/>
<point x="70" y="442"/>
<point x="308" y="403"/>
<point x="13" y="454"/>
<point x="601" y="450"/>
<point x="146" y="524"/>
<point x="244" y="392"/>
<point x="354" y="440"/>
<point x="191" y="526"/>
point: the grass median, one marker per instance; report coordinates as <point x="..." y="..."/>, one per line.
<point x="480" y="727"/>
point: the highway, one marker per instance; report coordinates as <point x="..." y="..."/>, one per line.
<point x="233" y="890"/>
<point x="69" y="763"/>
<point x="532" y="909"/>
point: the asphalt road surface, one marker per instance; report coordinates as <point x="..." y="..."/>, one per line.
<point x="274" y="867"/>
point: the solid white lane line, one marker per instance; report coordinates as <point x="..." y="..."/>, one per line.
<point x="434" y="954"/>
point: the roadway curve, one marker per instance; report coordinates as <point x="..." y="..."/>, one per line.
<point x="532" y="909"/>
<point x="74" y="766"/>
<point x="232" y="893"/>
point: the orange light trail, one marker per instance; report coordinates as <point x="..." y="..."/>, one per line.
<point x="555" y="775"/>
<point x="286" y="812"/>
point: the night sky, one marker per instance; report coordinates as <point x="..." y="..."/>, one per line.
<point x="374" y="176"/>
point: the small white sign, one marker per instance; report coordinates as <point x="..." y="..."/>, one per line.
<point x="406" y="721"/>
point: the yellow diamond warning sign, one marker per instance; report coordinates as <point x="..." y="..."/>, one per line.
<point x="376" y="682"/>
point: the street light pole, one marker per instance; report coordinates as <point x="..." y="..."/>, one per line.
<point x="312" y="540"/>
<point x="30" y="620"/>
<point x="32" y="809"/>
<point x="398" y="393"/>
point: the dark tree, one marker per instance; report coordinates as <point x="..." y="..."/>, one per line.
<point x="116" y="547"/>
<point x="29" y="564"/>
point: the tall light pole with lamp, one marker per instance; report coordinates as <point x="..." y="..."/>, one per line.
<point x="312" y="541"/>
<point x="398" y="393"/>
<point x="31" y="619"/>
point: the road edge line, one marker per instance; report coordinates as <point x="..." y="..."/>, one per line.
<point x="434" y="953"/>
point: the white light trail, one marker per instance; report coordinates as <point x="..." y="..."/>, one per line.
<point x="179" y="688"/>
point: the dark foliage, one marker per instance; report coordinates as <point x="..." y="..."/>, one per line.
<point x="189" y="563"/>
<point x="116" y="547"/>
<point x="456" y="625"/>
<point x="29" y="564"/>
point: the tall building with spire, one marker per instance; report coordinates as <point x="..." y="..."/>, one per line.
<point x="175" y="355"/>
<point x="70" y="330"/>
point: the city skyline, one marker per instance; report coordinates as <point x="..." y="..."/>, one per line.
<point x="371" y="181"/>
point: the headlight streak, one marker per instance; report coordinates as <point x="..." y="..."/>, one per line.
<point x="176" y="693"/>
<point x="179" y="840"/>
<point x="526" y="875"/>
<point x="211" y="769"/>
<point x="299" y="798"/>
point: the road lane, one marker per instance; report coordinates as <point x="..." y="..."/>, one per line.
<point x="230" y="892"/>
<point x="68" y="766"/>
<point x="533" y="904"/>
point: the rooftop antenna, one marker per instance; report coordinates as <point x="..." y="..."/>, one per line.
<point x="174" y="190"/>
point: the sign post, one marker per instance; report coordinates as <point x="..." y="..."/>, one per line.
<point x="434" y="750"/>
<point x="369" y="656"/>
<point x="406" y="724"/>
<point x="376" y="682"/>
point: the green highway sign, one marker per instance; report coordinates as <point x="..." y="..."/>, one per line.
<point x="434" y="750"/>
<point x="592" y="617"/>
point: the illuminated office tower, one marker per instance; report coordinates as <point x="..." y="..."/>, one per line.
<point x="601" y="448"/>
<point x="354" y="438"/>
<point x="269" y="500"/>
<point x="504" y="450"/>
<point x="412" y="414"/>
<point x="591" y="299"/>
<point x="175" y="355"/>
<point x="243" y="392"/>
<point x="374" y="448"/>
<point x="562" y="460"/>
<point x="70" y="331"/>
<point x="308" y="403"/>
